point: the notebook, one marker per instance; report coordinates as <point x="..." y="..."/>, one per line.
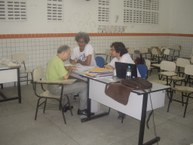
<point x="121" y="69"/>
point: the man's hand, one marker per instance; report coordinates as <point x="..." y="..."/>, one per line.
<point x="70" y="68"/>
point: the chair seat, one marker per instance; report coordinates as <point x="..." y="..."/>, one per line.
<point x="178" y="78"/>
<point x="168" y="74"/>
<point x="163" y="82"/>
<point x="185" y="89"/>
<point x="47" y="94"/>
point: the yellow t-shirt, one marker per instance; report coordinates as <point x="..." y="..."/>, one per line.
<point x="55" y="69"/>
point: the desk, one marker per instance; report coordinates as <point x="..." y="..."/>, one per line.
<point x="10" y="74"/>
<point x="139" y="102"/>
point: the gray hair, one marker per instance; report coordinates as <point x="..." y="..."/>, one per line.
<point x="82" y="35"/>
<point x="63" y="48"/>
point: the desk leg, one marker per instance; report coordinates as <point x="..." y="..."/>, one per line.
<point x="142" y="124"/>
<point x="2" y="95"/>
<point x="18" y="85"/>
<point x="89" y="116"/>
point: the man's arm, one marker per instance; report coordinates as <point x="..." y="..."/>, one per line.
<point x="87" y="61"/>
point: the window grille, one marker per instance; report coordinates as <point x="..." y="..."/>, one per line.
<point x="13" y="10"/>
<point x="55" y="10"/>
<point x="141" y="11"/>
<point x="103" y="10"/>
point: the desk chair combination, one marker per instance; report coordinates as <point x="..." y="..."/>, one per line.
<point x="43" y="94"/>
<point x="155" y="55"/>
<point x="167" y="71"/>
<point x="186" y="90"/>
<point x="191" y="60"/>
<point x="180" y="67"/>
<point x="149" y="67"/>
<point x="145" y="52"/>
<point x="180" y="64"/>
<point x="176" y="51"/>
<point x="131" y="51"/>
<point x="25" y="74"/>
<point x="166" y="54"/>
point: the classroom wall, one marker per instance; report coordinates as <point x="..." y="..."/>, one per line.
<point x="180" y="16"/>
<point x="40" y="39"/>
<point x="80" y="15"/>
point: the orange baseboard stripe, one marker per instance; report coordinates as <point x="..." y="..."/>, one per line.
<point x="47" y="35"/>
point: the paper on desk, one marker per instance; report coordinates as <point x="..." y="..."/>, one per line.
<point x="83" y="68"/>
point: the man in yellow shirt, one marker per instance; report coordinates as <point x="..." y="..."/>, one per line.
<point x="56" y="71"/>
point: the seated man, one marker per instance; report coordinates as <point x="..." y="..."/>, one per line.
<point x="56" y="71"/>
<point x="119" y="54"/>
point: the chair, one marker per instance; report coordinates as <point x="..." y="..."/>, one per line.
<point x="191" y="60"/>
<point x="167" y="71"/>
<point x="155" y="55"/>
<point x="43" y="94"/>
<point x="166" y="54"/>
<point x="131" y="51"/>
<point x="143" y="70"/>
<point x="100" y="61"/>
<point x="176" y="51"/>
<point x="180" y="64"/>
<point x="149" y="67"/>
<point x="144" y="52"/>
<point x="20" y="58"/>
<point x="186" y="90"/>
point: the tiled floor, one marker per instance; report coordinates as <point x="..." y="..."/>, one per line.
<point x="18" y="127"/>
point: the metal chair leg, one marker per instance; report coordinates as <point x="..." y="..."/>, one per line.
<point x="68" y="102"/>
<point x="186" y="106"/>
<point x="170" y="100"/>
<point x="37" y="107"/>
<point x="45" y="103"/>
<point x="63" y="116"/>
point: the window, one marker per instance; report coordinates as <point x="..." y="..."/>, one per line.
<point x="141" y="11"/>
<point x="55" y="10"/>
<point x="13" y="10"/>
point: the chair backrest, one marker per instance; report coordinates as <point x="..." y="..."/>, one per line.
<point x="20" y="58"/>
<point x="166" y="51"/>
<point x="189" y="69"/>
<point x="155" y="51"/>
<point x="182" y="62"/>
<point x="37" y="74"/>
<point x="148" y="64"/>
<point x="191" y="60"/>
<point x="100" y="61"/>
<point x="143" y="70"/>
<point x="143" y="50"/>
<point x="131" y="50"/>
<point x="168" y="66"/>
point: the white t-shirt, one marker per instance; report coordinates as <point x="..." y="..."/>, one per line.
<point x="88" y="50"/>
<point x="126" y="58"/>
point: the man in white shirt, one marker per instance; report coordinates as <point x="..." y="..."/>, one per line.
<point x="119" y="54"/>
<point x="84" y="52"/>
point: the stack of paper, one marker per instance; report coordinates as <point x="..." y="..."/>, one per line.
<point x="100" y="72"/>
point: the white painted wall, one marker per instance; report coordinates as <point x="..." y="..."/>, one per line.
<point x="82" y="15"/>
<point x="181" y="16"/>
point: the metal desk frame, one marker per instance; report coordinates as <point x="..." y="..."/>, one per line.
<point x="18" y="87"/>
